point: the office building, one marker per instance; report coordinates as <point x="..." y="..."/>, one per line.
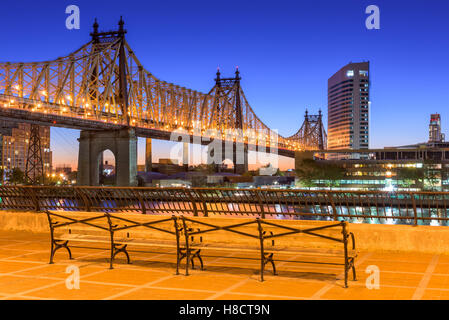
<point x="14" y="138"/>
<point x="435" y="135"/>
<point x="348" y="108"/>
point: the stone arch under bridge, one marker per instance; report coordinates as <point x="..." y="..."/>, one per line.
<point x="122" y="143"/>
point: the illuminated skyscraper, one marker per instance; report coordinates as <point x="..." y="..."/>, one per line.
<point x="14" y="138"/>
<point x="348" y="108"/>
<point x="435" y="134"/>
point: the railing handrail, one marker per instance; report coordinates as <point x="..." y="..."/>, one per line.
<point x="411" y="207"/>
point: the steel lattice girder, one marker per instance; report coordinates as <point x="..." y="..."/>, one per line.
<point x="85" y="85"/>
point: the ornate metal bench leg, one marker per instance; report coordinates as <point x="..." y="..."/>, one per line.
<point x="182" y="255"/>
<point x="57" y="244"/>
<point x="68" y="249"/>
<point x="198" y="255"/>
<point x="118" y="249"/>
<point x="52" y="253"/>
<point x="354" y="276"/>
<point x="127" y="257"/>
<point x="269" y="258"/>
<point x="346" y="273"/>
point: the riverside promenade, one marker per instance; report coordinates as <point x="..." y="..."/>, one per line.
<point x="26" y="274"/>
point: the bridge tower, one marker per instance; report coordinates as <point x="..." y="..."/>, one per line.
<point x="227" y="111"/>
<point x="122" y="142"/>
<point x="312" y="136"/>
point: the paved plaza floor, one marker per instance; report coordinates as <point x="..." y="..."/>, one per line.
<point x="26" y="274"/>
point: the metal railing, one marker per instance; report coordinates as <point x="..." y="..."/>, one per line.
<point x="415" y="208"/>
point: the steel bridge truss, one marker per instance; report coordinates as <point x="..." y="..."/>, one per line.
<point x="104" y="83"/>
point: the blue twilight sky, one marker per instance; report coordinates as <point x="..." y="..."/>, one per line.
<point x="286" y="51"/>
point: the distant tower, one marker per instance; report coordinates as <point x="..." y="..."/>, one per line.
<point x="34" y="171"/>
<point x="348" y="108"/>
<point x="435" y="134"/>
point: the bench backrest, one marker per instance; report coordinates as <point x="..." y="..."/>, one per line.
<point x="213" y="230"/>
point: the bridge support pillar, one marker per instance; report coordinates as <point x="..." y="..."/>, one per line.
<point x="185" y="156"/>
<point x="122" y="143"/>
<point x="237" y="153"/>
<point x="148" y="155"/>
<point x="241" y="161"/>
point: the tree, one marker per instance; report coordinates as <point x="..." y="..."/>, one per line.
<point x="16" y="176"/>
<point x="332" y="174"/>
<point x="307" y="172"/>
<point x="310" y="171"/>
<point x="207" y="168"/>
<point x="410" y="176"/>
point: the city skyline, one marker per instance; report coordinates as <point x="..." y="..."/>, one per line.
<point x="407" y="74"/>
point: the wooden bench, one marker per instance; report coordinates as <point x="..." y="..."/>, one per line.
<point x="263" y="233"/>
<point x="114" y="230"/>
<point x="190" y="236"/>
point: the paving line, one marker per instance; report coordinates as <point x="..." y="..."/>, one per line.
<point x="15" y="244"/>
<point x="267" y="295"/>
<point x="227" y="290"/>
<point x="326" y="288"/>
<point x="39" y="267"/>
<point x="236" y="293"/>
<point x="426" y="278"/>
<point x="52" y="284"/>
<point x="22" y="255"/>
<point x="59" y="281"/>
<point x="138" y="288"/>
<point x="26" y="298"/>
<point x="149" y="284"/>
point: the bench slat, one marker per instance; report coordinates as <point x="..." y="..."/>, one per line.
<point x="100" y="239"/>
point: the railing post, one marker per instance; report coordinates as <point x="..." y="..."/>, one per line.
<point x="141" y="201"/>
<point x="334" y="209"/>
<point x="206" y="214"/>
<point x="259" y="199"/>
<point x="33" y="196"/>
<point x="192" y="201"/>
<point x="84" y="197"/>
<point x="415" y="213"/>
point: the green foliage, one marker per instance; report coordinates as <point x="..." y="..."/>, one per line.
<point x="207" y="168"/>
<point x="310" y="171"/>
<point x="410" y="176"/>
<point x="279" y="173"/>
<point x="16" y="176"/>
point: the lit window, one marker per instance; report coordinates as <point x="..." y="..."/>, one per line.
<point x="363" y="73"/>
<point x="350" y="73"/>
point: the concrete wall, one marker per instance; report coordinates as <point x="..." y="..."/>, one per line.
<point x="369" y="237"/>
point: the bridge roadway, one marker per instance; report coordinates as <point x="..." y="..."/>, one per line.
<point x="73" y="119"/>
